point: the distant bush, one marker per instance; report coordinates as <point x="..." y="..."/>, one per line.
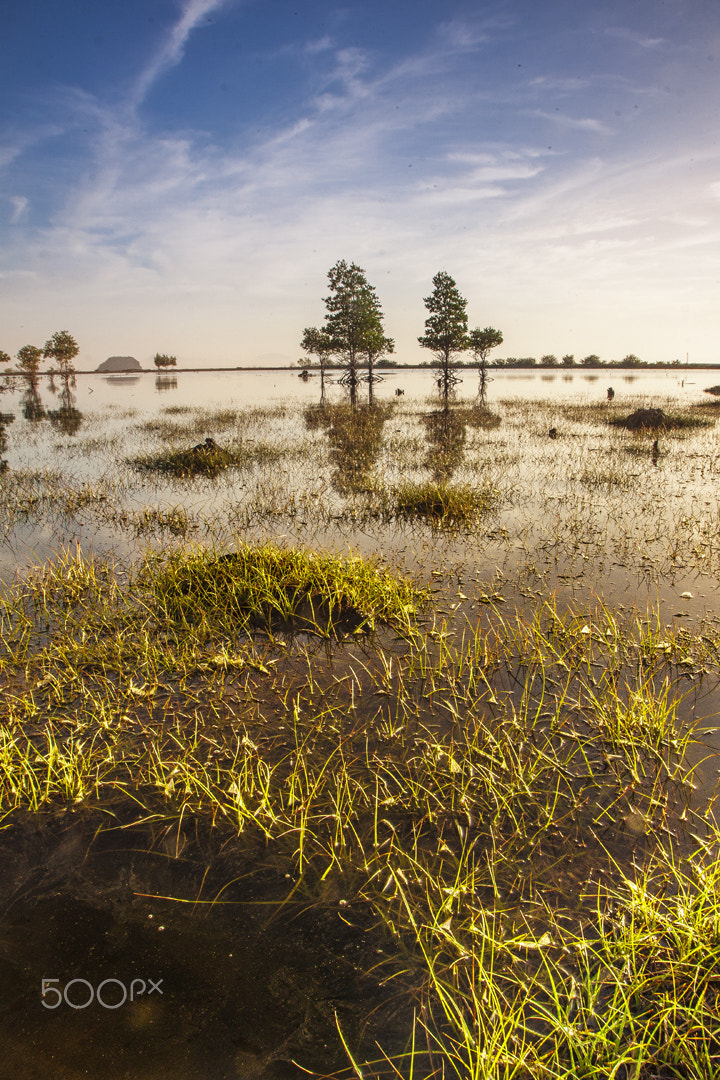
<point x="162" y="360"/>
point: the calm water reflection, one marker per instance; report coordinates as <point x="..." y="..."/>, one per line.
<point x="154" y="392"/>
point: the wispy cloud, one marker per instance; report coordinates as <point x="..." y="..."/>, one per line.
<point x="404" y="164"/>
<point x="171" y="51"/>
<point x="567" y="84"/>
<point x="19" y="205"/>
<point x="644" y="41"/>
<point x="466" y="34"/>
<point x="580" y="123"/>
<point x="312" y="48"/>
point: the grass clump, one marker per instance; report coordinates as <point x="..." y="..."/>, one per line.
<point x="266" y="585"/>
<point x="655" y="419"/>
<point x="190" y="462"/>
<point x="443" y="503"/>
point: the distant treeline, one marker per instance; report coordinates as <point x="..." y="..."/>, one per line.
<point x="527" y="362"/>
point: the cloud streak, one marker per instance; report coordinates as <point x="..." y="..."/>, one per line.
<point x="172" y="49"/>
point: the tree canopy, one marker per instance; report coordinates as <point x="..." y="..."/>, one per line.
<point x="162" y="360"/>
<point x="482" y="341"/>
<point x="63" y="348"/>
<point x="317" y="343"/>
<point x="28" y="358"/>
<point x="446" y="326"/>
<point x="353" y="323"/>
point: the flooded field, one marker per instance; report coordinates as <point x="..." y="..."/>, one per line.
<point x="360" y="742"/>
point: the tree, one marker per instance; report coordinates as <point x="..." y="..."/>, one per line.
<point x="29" y="358"/>
<point x="162" y="360"/>
<point x="481" y="342"/>
<point x="445" y="328"/>
<point x="631" y="360"/>
<point x="354" y="319"/>
<point x="548" y="360"/>
<point x="317" y="343"/>
<point x="4" y="357"/>
<point x="590" y="361"/>
<point x="568" y="360"/>
<point x="63" y="348"/>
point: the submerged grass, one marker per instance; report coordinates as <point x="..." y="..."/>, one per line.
<point x="635" y="994"/>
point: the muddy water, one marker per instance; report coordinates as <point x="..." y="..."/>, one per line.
<point x="226" y="980"/>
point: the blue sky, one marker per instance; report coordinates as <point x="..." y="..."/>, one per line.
<point x="180" y="176"/>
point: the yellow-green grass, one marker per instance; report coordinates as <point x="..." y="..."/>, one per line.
<point x="268" y="585"/>
<point x="443" y="502"/>
<point x="413" y="786"/>
<point x="479" y="792"/>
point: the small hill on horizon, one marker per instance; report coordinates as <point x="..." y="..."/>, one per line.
<point x="119" y="363"/>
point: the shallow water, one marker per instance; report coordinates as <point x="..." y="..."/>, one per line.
<point x="592" y="517"/>
<point x="166" y="960"/>
<point x="151" y="392"/>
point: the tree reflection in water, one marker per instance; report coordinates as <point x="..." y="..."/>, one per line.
<point x="5" y="418"/>
<point x="166" y="382"/>
<point x="31" y="403"/>
<point x="355" y="435"/>
<point x="67" y="418"/>
<point x="446" y="433"/>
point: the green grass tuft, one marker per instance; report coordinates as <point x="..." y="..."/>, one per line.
<point x="269" y="585"/>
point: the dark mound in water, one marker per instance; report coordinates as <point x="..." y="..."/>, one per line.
<point x="206" y="459"/>
<point x="657" y="420"/>
<point x="643" y="419"/>
<point x="119" y="363"/>
<point x="713" y="390"/>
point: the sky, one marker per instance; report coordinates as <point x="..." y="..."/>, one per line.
<point x="178" y="176"/>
